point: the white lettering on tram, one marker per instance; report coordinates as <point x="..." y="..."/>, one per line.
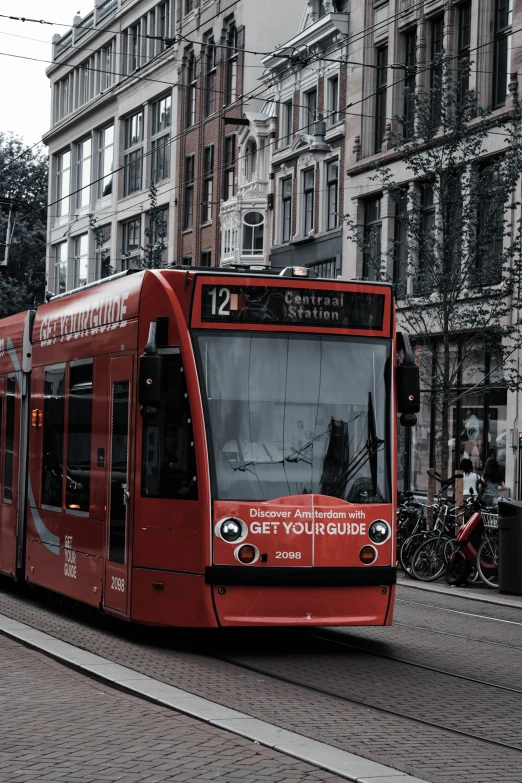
<point x="313" y="307"/>
<point x="85" y="320"/>
<point x="309" y="526"/>
<point x="69" y="567"/>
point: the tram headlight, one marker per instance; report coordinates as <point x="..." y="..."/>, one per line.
<point x="231" y="530"/>
<point x="379" y="531"/>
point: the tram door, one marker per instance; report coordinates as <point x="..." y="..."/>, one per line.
<point x="119" y="497"/>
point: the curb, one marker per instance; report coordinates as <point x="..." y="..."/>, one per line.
<point x="459" y="592"/>
<point x="339" y="762"/>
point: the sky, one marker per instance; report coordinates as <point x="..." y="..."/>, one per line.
<point x="25" y="95"/>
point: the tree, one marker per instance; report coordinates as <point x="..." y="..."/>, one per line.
<point x="455" y="256"/>
<point x="23" y="182"/>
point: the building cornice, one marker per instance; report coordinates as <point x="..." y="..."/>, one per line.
<point x="311" y="36"/>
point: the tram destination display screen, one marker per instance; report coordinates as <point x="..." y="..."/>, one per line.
<point x="293" y="306"/>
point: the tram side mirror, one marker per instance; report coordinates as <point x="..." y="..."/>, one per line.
<point x="150" y="375"/>
<point x="407" y="383"/>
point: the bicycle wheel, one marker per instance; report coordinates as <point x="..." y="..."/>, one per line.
<point x="450" y="546"/>
<point x="428" y="562"/>
<point x="407" y="551"/>
<point x="487" y="561"/>
<point x="458" y="569"/>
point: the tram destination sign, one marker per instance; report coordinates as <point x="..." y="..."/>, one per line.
<point x="303" y="306"/>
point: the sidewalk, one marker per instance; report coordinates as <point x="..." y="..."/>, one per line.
<point x="58" y="725"/>
<point x="476" y="592"/>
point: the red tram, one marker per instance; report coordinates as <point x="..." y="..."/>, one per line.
<point x="205" y="448"/>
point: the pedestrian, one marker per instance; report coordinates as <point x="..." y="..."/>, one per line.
<point x="471" y="479"/>
<point x="490" y="481"/>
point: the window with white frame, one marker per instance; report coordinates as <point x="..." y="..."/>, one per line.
<point x="160" y="140"/>
<point x="229" y="234"/>
<point x="287" y="123"/>
<point x="286" y="209"/>
<point x="332" y="194"/>
<point x="163" y="25"/>
<point x="133" y="155"/>
<point x="310" y="110"/>
<point x="63" y="95"/>
<point x="130" y="243"/>
<point x="231" y="66"/>
<point x="60" y="268"/>
<point x="192" y="81"/>
<point x="63" y="183"/>
<point x="83" y="173"/>
<point x="85" y="81"/>
<point x="208" y="183"/>
<point x="105" y="161"/>
<point x="333" y="100"/>
<point x="107" y="65"/>
<point x="253" y="234"/>
<point x="81" y="260"/>
<point x="503" y="19"/>
<point x="308" y="183"/>
<point x="250" y="160"/>
<point x="103" y="252"/>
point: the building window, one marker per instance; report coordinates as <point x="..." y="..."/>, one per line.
<point x="381" y="94"/>
<point x="187" y="260"/>
<point x="464" y="49"/>
<point x="332" y="194"/>
<point x="437" y="49"/>
<point x="84" y="82"/>
<point x="372" y="238"/>
<point x="250" y="160"/>
<point x="310" y="110"/>
<point x="308" y="180"/>
<point x="63" y="183"/>
<point x="410" y="59"/>
<point x="253" y="234"/>
<point x="231" y="67"/>
<point x="208" y="183"/>
<point x="189" y="6"/>
<point x="163" y="32"/>
<point x="103" y="252"/>
<point x="210" y="88"/>
<point x="81" y="260"/>
<point x="83" y="173"/>
<point x="333" y="100"/>
<point x="426" y="240"/>
<point x="133" y="155"/>
<point x="229" y="161"/>
<point x="107" y="63"/>
<point x="191" y="90"/>
<point x="157" y="238"/>
<point x="130" y="243"/>
<point x="329" y="268"/>
<point x="490" y="226"/>
<point x="160" y="140"/>
<point x="229" y="237"/>
<point x="188" y="205"/>
<point x="400" y="255"/>
<point x="133" y="47"/>
<point x="502" y="51"/>
<point x="60" y="268"/>
<point x="206" y="258"/>
<point x="105" y="161"/>
<point x="64" y="97"/>
<point x="286" y="209"/>
<point x="287" y="124"/>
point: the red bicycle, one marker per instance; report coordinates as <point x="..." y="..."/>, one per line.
<point x="476" y="546"/>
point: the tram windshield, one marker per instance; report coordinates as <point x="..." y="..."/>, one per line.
<point x="296" y="414"/>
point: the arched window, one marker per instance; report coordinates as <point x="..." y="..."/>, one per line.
<point x="253" y="234"/>
<point x="250" y="160"/>
<point x="229" y="237"/>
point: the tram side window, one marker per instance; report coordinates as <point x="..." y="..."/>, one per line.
<point x="9" y="438"/>
<point x="168" y="455"/>
<point x="53" y="434"/>
<point x="79" y="429"/>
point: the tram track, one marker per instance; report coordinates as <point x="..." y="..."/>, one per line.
<point x="368" y="704"/>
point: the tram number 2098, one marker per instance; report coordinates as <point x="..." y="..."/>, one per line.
<point x="288" y="555"/>
<point x="118" y="584"/>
